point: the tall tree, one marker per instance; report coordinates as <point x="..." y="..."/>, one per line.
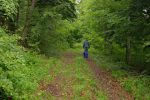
<point x="29" y="13"/>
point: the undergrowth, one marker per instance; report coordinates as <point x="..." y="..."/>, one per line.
<point x="75" y="78"/>
<point x="135" y="83"/>
<point x="20" y="69"/>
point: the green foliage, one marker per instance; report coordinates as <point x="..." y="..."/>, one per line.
<point x="49" y="29"/>
<point x="52" y="27"/>
<point x="20" y="70"/>
<point x="64" y="7"/>
<point x="8" y="8"/>
<point x="49" y="39"/>
<point x="109" y="24"/>
<point x="41" y="22"/>
<point x="134" y="83"/>
<point x="138" y="85"/>
<point x="75" y="80"/>
<point x="85" y="82"/>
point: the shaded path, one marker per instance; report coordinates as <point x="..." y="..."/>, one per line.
<point x="66" y="78"/>
<point x="108" y="83"/>
<point x="60" y="88"/>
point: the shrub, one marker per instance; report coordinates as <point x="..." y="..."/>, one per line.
<point x="20" y="69"/>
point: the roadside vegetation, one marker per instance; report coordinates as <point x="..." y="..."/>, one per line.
<point x="35" y="35"/>
<point x="132" y="81"/>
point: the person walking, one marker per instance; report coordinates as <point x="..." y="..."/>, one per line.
<point x="86" y="46"/>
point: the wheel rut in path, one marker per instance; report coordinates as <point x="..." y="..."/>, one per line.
<point x="61" y="86"/>
<point x="109" y="84"/>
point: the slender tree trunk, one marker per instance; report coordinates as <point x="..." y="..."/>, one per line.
<point x="27" y="22"/>
<point x="111" y="48"/>
<point x="17" y="17"/>
<point x="128" y="49"/>
<point x="1" y="21"/>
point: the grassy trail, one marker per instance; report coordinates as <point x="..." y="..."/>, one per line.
<point x="74" y="78"/>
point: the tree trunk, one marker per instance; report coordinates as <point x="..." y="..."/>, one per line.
<point x="17" y="17"/>
<point x="128" y="49"/>
<point x="27" y="22"/>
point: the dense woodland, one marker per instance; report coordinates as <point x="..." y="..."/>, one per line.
<point x="34" y="30"/>
<point x="121" y="28"/>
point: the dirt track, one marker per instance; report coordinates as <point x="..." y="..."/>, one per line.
<point x="104" y="80"/>
<point x="108" y="83"/>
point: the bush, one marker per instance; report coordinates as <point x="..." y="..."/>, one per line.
<point x="20" y="70"/>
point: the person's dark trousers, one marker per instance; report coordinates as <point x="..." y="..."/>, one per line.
<point x="85" y="54"/>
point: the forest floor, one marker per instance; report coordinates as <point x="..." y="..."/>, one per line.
<point x="74" y="78"/>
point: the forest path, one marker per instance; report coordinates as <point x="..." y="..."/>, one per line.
<point x="75" y="78"/>
<point x="108" y="83"/>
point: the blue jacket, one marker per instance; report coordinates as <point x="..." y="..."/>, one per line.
<point x="86" y="44"/>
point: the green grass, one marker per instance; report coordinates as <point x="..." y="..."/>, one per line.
<point x="137" y="84"/>
<point x="21" y="70"/>
<point x="85" y="82"/>
<point x="78" y="76"/>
